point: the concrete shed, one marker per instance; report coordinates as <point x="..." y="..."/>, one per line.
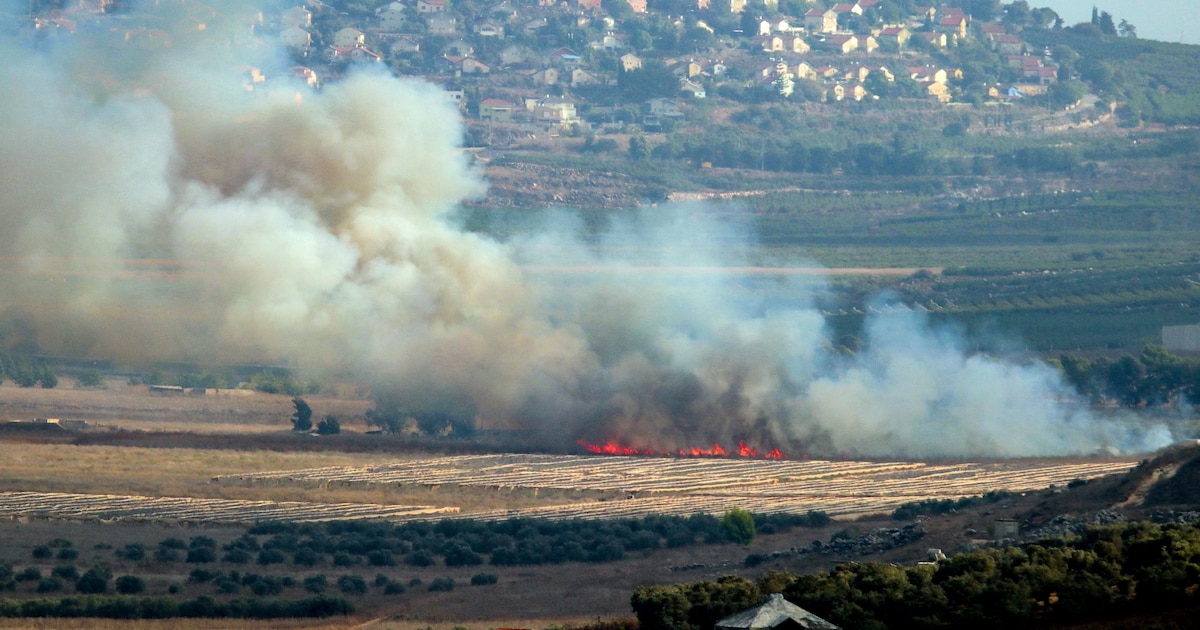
<point x="777" y="614"/>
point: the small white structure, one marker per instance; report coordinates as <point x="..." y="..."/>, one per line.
<point x="776" y="613"/>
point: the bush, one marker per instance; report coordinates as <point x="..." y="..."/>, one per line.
<point x="133" y="552"/>
<point x="66" y="572"/>
<point x="42" y="552"/>
<point x="352" y="585"/>
<point x="483" y="579"/>
<point x="738" y="526"/>
<point x="237" y="556"/>
<point x="461" y="556"/>
<point x="329" y="426"/>
<point x="316" y="583"/>
<point x="130" y="585"/>
<point x="49" y="585"/>
<point x="271" y="556"/>
<point x="306" y="558"/>
<point x="441" y="584"/>
<point x="92" y="378"/>
<point x="419" y="559"/>
<point x="94" y="582"/>
<point x="381" y="558"/>
<point x="29" y="574"/>
<point x="167" y="554"/>
<point x="201" y="576"/>
<point x="263" y="585"/>
<point x="67" y="554"/>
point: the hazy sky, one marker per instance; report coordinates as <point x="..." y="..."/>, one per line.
<point x="1166" y="20"/>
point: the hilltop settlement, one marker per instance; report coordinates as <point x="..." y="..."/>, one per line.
<point x="523" y="68"/>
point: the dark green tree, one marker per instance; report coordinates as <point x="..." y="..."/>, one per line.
<point x="639" y="149"/>
<point x="738" y="526"/>
<point x="130" y="585"/>
<point x="302" y="418"/>
<point x="93" y="582"/>
<point x="329" y="426"/>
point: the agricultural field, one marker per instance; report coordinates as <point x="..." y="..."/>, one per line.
<point x="107" y="491"/>
<point x="573" y="487"/>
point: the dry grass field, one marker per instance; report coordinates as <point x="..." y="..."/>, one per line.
<point x="186" y="466"/>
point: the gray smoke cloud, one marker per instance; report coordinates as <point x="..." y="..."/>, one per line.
<point x="154" y="209"/>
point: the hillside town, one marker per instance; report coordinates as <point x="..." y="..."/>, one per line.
<point x="579" y="65"/>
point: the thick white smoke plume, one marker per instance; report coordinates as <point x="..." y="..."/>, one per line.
<point x="154" y="209"/>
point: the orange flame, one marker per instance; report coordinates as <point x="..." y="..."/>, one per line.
<point x="613" y="448"/>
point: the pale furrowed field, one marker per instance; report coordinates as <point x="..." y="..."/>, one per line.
<point x="559" y="487"/>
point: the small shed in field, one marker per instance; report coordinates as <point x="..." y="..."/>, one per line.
<point x="777" y="614"/>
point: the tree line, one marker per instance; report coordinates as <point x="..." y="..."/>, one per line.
<point x="1107" y="572"/>
<point x="513" y="542"/>
<point x="1155" y="377"/>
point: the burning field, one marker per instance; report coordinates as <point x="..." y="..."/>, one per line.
<point x="324" y="233"/>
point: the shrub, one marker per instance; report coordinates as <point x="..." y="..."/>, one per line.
<point x="29" y="574"/>
<point x="133" y="552"/>
<point x="201" y="576"/>
<point x="49" y="585"/>
<point x="42" y="552"/>
<point x="316" y="583"/>
<point x="352" y="584"/>
<point x="329" y="426"/>
<point x="306" y="558"/>
<point x="458" y="555"/>
<point x="483" y="579"/>
<point x="167" y="554"/>
<point x="90" y="379"/>
<point x="237" y="556"/>
<point x="67" y="554"/>
<point x="196" y="542"/>
<point x="393" y="588"/>
<point x="738" y="526"/>
<point x="130" y="585"/>
<point x="441" y="584"/>
<point x="66" y="572"/>
<point x="419" y="559"/>
<point x="94" y="582"/>
<point x="381" y="558"/>
<point x="271" y="556"/>
<point x="266" y="585"/>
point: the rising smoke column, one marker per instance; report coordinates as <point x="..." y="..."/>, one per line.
<point x="317" y="230"/>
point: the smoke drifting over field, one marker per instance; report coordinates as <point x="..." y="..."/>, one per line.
<point x="317" y="229"/>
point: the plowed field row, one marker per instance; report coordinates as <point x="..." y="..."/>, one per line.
<point x="699" y="476"/>
<point x="646" y="486"/>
